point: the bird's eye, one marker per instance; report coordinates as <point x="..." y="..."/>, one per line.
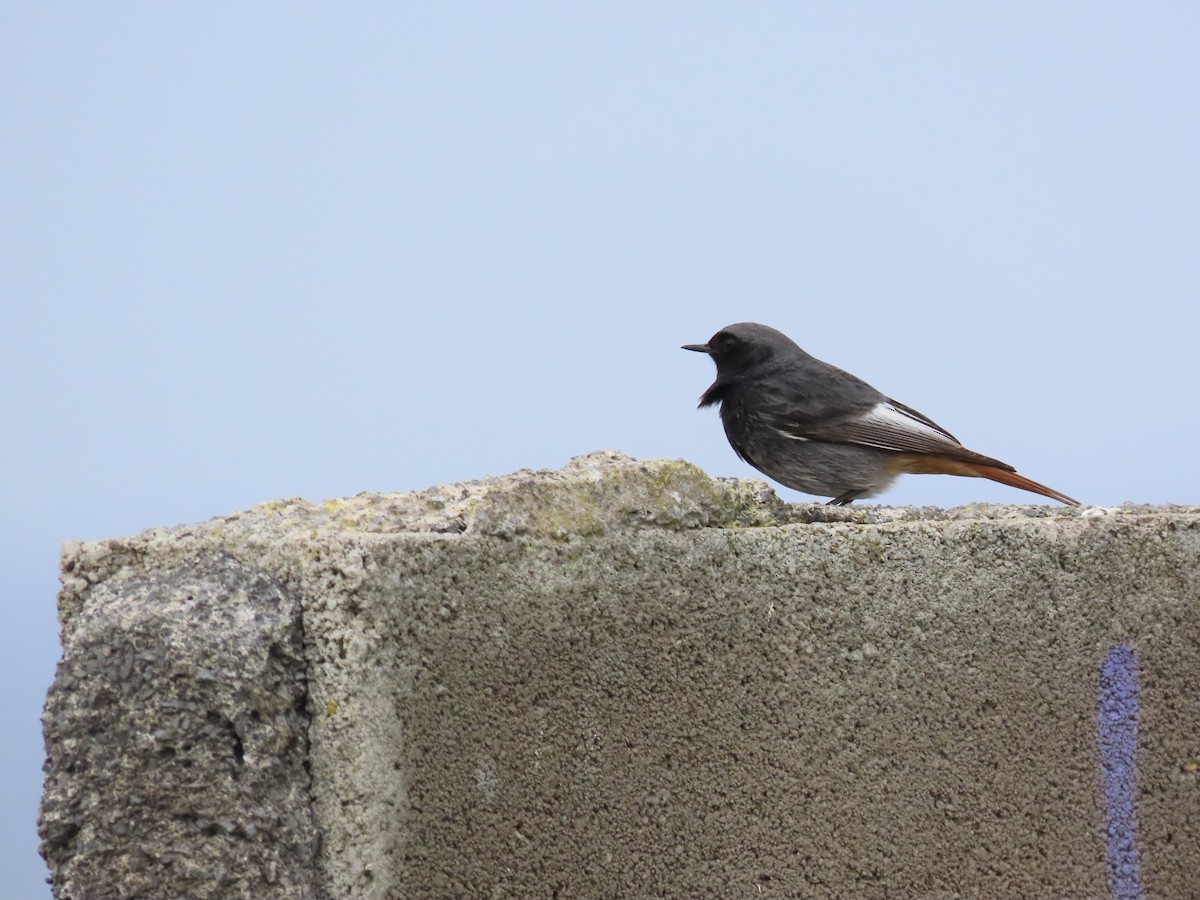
<point x="724" y="342"/>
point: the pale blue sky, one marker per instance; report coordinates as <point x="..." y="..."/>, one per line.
<point x="253" y="251"/>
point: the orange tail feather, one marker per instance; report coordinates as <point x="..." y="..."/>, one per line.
<point x="936" y="464"/>
<point x="1012" y="479"/>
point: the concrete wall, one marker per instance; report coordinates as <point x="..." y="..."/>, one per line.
<point x="629" y="679"/>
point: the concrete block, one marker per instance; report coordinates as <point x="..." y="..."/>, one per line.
<point x="629" y="679"/>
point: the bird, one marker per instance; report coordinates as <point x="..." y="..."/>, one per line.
<point x="817" y="429"/>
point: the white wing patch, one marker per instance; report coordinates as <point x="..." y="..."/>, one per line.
<point x="892" y="428"/>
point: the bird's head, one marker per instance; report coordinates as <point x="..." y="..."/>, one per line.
<point x="738" y="348"/>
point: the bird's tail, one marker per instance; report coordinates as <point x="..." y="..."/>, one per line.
<point x="936" y="464"/>
<point x="1012" y="479"/>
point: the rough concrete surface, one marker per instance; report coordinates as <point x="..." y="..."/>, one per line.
<point x="629" y="679"/>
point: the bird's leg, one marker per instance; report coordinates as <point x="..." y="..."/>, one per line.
<point x="846" y="498"/>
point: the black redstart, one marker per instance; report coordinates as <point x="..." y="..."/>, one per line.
<point x="817" y="429"/>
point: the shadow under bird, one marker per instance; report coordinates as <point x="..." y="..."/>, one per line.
<point x="814" y="428"/>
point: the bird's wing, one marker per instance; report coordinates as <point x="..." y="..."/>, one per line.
<point x="889" y="425"/>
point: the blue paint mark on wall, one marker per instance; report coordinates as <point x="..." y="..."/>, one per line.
<point x="1118" y="710"/>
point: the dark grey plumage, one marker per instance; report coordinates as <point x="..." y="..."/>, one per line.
<point x="818" y="429"/>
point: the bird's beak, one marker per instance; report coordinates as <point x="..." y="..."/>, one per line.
<point x="699" y="348"/>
